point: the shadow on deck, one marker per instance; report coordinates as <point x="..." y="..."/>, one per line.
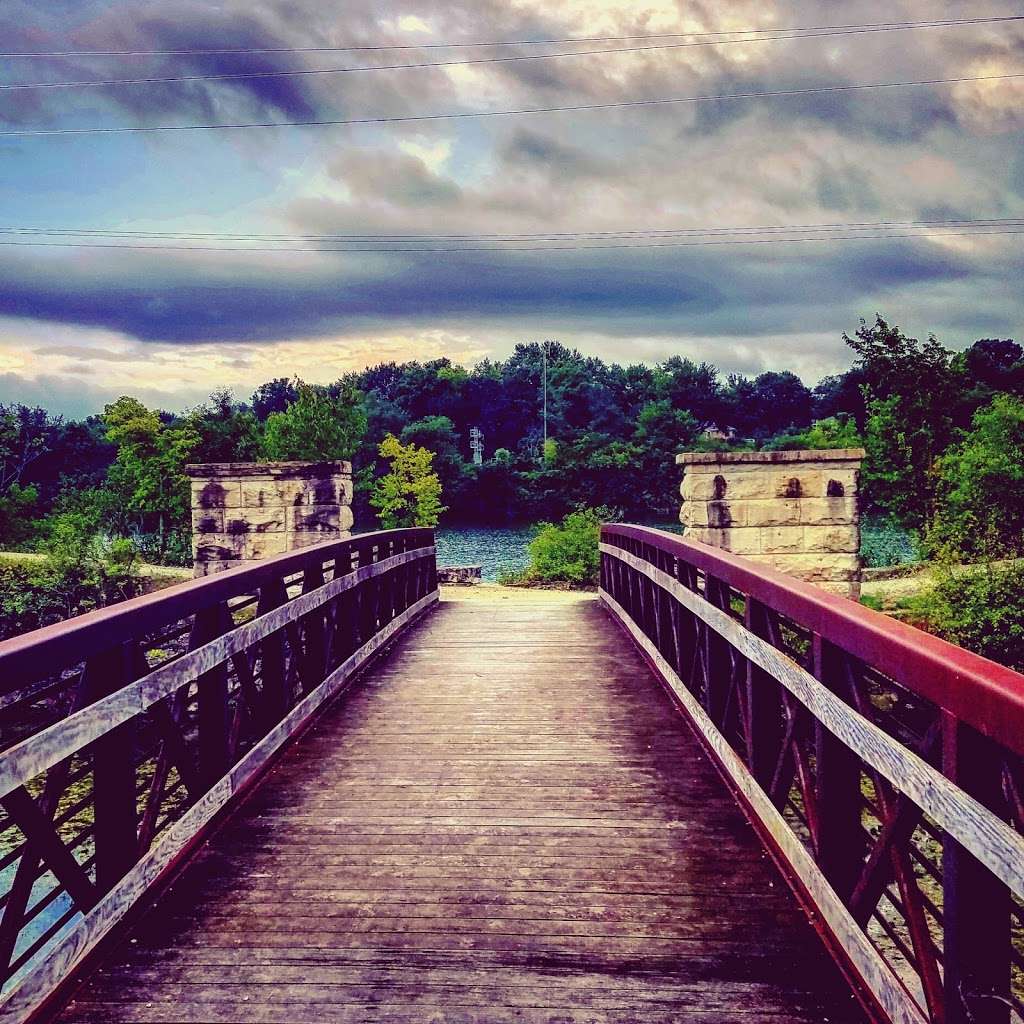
<point x="505" y="820"/>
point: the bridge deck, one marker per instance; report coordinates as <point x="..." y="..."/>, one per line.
<point x="505" y="821"/>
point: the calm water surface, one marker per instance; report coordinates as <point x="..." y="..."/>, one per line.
<point x="497" y="548"/>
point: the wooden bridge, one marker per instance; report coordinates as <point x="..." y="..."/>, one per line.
<point x="309" y="791"/>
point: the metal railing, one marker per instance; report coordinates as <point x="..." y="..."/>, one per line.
<point x="126" y="730"/>
<point x="882" y="766"/>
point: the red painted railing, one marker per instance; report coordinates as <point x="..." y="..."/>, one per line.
<point x="125" y="731"/>
<point x="882" y="765"/>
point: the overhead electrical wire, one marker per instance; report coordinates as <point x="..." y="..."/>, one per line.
<point x="161" y="247"/>
<point x="306" y="72"/>
<point x="625" y="233"/>
<point x="569" y="108"/>
<point x="893" y="26"/>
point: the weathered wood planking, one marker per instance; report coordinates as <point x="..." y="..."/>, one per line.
<point x="504" y="821"/>
<point x="887" y="988"/>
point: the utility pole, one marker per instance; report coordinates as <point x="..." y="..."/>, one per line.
<point x="544" y="363"/>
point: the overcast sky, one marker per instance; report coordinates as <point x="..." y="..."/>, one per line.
<point x="79" y="327"/>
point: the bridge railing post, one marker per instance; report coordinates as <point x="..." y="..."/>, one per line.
<point x="114" y="771"/>
<point x="764" y="727"/>
<point x="841" y="843"/>
<point x="976" y="904"/>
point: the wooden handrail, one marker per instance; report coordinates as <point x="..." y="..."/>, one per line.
<point x="882" y="766"/>
<point x="980" y="692"/>
<point x="43" y="651"/>
<point x="204" y="682"/>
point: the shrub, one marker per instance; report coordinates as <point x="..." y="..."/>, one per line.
<point x="980" y="608"/>
<point x="884" y="542"/>
<point x="16" y="509"/>
<point x="567" y="552"/>
<point x="833" y="432"/>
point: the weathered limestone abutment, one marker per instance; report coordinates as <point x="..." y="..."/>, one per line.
<point x="245" y="511"/>
<point x="795" y="511"/>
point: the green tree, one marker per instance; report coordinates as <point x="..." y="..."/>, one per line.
<point x="274" y="396"/>
<point x="409" y="494"/>
<point x="148" y="472"/>
<point x="316" y="426"/>
<point x="911" y="389"/>
<point x="228" y="432"/>
<point x="981" y="485"/>
<point x="26" y="434"/>
<point x="662" y="433"/>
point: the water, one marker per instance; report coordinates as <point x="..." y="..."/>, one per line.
<point x="497" y="549"/>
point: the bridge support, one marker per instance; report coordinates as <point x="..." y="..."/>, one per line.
<point x="245" y="511"/>
<point x="795" y="511"/>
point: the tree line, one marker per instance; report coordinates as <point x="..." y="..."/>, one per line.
<point x="944" y="433"/>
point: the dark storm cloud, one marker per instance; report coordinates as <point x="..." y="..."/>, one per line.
<point x="712" y="289"/>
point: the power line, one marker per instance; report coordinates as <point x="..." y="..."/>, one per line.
<point x="133" y="247"/>
<point x="353" y="48"/>
<point x="625" y="233"/>
<point x="305" y="72"/>
<point x="407" y="118"/>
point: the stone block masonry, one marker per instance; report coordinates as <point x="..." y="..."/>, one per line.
<point x="795" y="511"/>
<point x="245" y="511"/>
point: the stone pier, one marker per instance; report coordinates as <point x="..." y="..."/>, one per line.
<point x="795" y="511"/>
<point x="244" y="511"/>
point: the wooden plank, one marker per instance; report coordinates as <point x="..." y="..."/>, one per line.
<point x="993" y="842"/>
<point x="438" y="848"/>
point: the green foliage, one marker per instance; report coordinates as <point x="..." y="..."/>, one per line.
<point x="227" y="431"/>
<point x="410" y="493"/>
<point x="274" y="396"/>
<point x="80" y="571"/>
<point x="25" y="435"/>
<point x="567" y="552"/>
<point x="831" y="433"/>
<point x="316" y="426"/>
<point x="770" y="403"/>
<point x="980" y="608"/>
<point x="911" y="389"/>
<point x="981" y="485"/>
<point x="884" y="542"/>
<point x="147" y="475"/>
<point x="17" y="506"/>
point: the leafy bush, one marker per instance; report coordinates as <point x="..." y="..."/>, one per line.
<point x="830" y="433"/>
<point x="980" y="608"/>
<point x="885" y="542"/>
<point x="16" y="509"/>
<point x="565" y="553"/>
<point x="80" y="571"/>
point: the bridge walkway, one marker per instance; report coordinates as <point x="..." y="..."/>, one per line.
<point x="504" y="820"/>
